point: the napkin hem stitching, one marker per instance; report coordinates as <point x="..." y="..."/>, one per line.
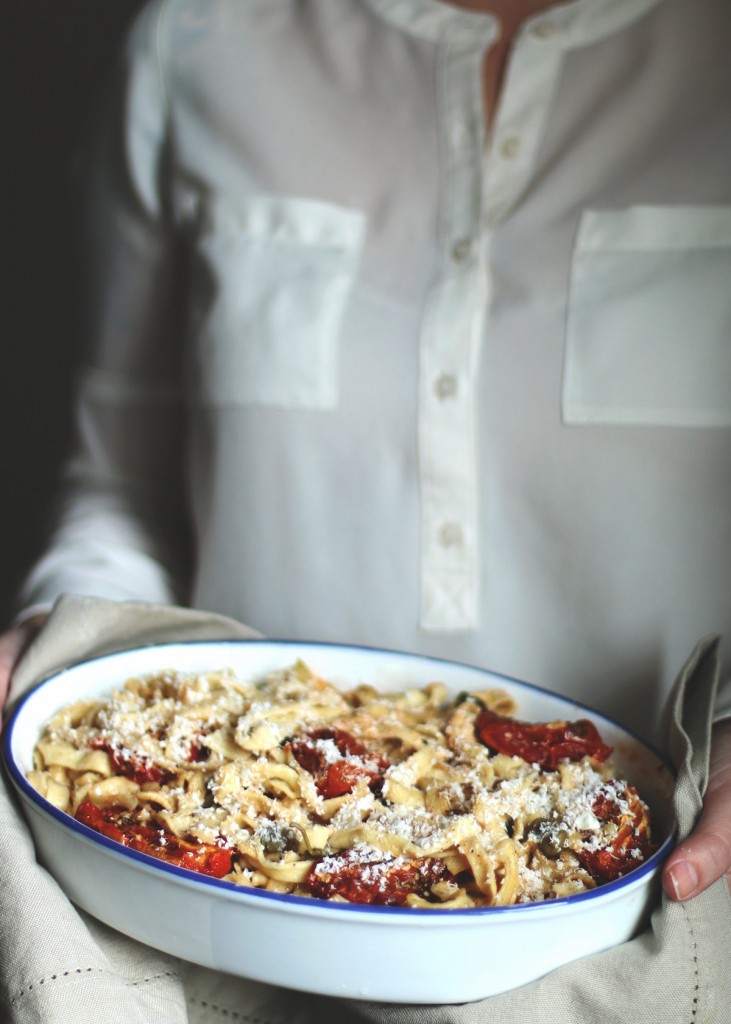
<point x="74" y="975"/>
<point x="205" y="1004"/>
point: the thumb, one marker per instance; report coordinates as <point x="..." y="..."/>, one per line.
<point x="706" y="854"/>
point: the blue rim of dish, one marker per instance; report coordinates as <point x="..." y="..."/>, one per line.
<point x="232" y="888"/>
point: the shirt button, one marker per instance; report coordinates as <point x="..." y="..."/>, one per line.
<point x="544" y="29"/>
<point x="461" y="250"/>
<point x="445" y="386"/>
<point x="510" y="147"/>
<point x="450" y="535"/>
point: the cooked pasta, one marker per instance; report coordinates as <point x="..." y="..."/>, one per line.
<point x="291" y="785"/>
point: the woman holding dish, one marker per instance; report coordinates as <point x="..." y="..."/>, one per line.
<point x="395" y="349"/>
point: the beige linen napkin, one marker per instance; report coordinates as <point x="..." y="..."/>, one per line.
<point x="59" y="966"/>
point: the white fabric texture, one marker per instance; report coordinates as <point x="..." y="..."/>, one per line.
<point x="402" y="382"/>
<point x="59" y="965"/>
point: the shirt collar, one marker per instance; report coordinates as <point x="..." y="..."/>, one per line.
<point x="570" y="25"/>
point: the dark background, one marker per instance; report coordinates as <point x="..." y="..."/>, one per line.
<point x="59" y="54"/>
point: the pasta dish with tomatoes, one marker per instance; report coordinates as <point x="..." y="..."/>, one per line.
<point x="292" y="785"/>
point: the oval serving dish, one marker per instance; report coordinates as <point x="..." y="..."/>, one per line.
<point x="390" y="954"/>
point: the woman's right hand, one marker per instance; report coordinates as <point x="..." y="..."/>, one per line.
<point x="12" y="646"/>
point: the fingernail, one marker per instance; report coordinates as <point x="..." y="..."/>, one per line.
<point x="684" y="878"/>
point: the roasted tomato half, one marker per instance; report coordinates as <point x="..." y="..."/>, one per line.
<point x="547" y="744"/>
<point x="117" y="823"/>
<point x="133" y="766"/>
<point x="373" y="879"/>
<point x="630" y="845"/>
<point x="339" y="764"/>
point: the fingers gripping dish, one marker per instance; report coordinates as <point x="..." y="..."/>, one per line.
<point x="292" y="785"/>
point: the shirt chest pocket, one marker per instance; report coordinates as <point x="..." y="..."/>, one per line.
<point x="270" y="282"/>
<point x="648" y="338"/>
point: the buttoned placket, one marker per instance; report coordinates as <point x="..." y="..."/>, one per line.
<point x="481" y="184"/>
<point x="449" y="346"/>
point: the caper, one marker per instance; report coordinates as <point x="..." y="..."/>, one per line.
<point x="552" y="843"/>
<point x="273" y="842"/>
<point x="464" y="695"/>
<point x="538" y="827"/>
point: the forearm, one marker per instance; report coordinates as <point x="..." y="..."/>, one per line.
<point x="120" y="526"/>
<point x="110" y="545"/>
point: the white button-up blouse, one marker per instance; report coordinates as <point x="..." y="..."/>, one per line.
<point x="360" y="371"/>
